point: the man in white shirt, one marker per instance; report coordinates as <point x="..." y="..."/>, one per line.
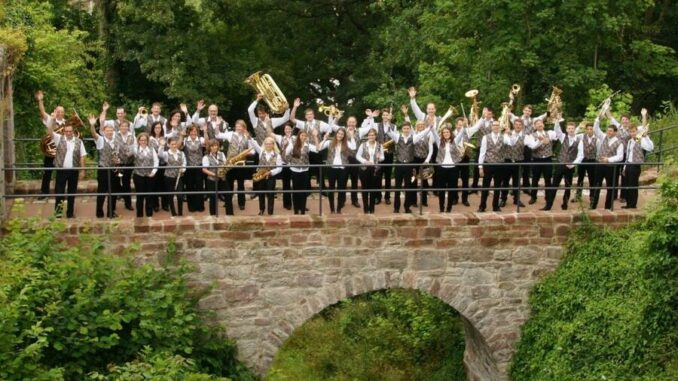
<point x="309" y="124"/>
<point x="610" y="151"/>
<point x="383" y="130"/>
<point x="541" y="144"/>
<point x="571" y="154"/>
<point x="215" y="123"/>
<point x="48" y="161"/>
<point x="146" y="121"/>
<point x="483" y="127"/>
<point x="491" y="152"/>
<point x="120" y="117"/>
<point x="634" y="158"/>
<point x="70" y="154"/>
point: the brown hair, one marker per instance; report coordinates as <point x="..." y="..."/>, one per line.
<point x="298" y="144"/>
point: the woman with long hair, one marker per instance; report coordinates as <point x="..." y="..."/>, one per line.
<point x="157" y="140"/>
<point x="337" y="156"/>
<point x="297" y="157"/>
<point x="145" y="170"/>
<point x="450" y="152"/>
<point x="370" y="154"/>
<point x="211" y="162"/>
<point x="194" y="149"/>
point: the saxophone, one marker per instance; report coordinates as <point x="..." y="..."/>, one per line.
<point x="260" y="174"/>
<point x="235" y="160"/>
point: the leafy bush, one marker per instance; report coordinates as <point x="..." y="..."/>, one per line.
<point x="68" y="310"/>
<point x="609" y="311"/>
<point x="389" y="335"/>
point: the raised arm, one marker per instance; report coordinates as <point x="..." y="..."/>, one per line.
<point x="277" y="122"/>
<point x="559" y="132"/>
<point x="92" y="126"/>
<point x="102" y="116"/>
<point x="293" y="113"/>
<point x="430" y="150"/>
<point x="413" y="104"/>
<point x="39" y="96"/>
<point x="596" y="129"/>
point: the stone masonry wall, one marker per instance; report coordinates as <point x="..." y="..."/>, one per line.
<point x="270" y="275"/>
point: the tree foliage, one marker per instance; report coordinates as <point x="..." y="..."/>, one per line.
<point x="390" y="335"/>
<point x="609" y="311"/>
<point x="68" y="310"/>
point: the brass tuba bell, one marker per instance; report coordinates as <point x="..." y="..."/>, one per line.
<point x="264" y="85"/>
<point x="48" y="147"/>
<point x="474" y="114"/>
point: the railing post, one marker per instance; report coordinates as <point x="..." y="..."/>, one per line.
<point x="320" y="190"/>
<point x="614" y="186"/>
<point x="110" y="196"/>
<point x="659" y="152"/>
<point x="520" y="182"/>
<point x="420" y="178"/>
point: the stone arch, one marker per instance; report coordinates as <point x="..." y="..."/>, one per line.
<point x="479" y="360"/>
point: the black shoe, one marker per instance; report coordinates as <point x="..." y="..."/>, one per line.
<point x="424" y="204"/>
<point x="100" y="214"/>
<point x="388" y="202"/>
<point x="532" y="201"/>
<point x="261" y="212"/>
<point x="563" y="207"/>
<point x="114" y="215"/>
<point x="166" y="208"/>
<point x="497" y="209"/>
<point x="448" y="210"/>
<point x="377" y="202"/>
<point x="527" y="192"/>
<point x="408" y="210"/>
<point x="296" y="212"/>
<point x="441" y="210"/>
<point x="546" y="208"/>
<point x="356" y="204"/>
<point x="241" y="207"/>
<point x="42" y="198"/>
<point x="156" y="209"/>
<point x="396" y="210"/>
<point x="502" y="203"/>
<point x="519" y="203"/>
<point x="466" y="203"/>
<point x="481" y="210"/>
<point x="129" y="207"/>
<point x="455" y="202"/>
<point x="415" y="205"/>
<point x="628" y="207"/>
<point x="253" y="196"/>
<point x="287" y="207"/>
<point x="305" y="210"/>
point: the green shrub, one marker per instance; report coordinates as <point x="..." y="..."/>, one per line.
<point x="68" y="310"/>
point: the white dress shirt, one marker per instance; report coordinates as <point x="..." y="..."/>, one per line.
<point x="70" y="147"/>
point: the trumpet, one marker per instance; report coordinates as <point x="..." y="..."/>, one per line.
<point x="330" y="111"/>
<point x="235" y="160"/>
<point x="260" y="174"/>
<point x="475" y="108"/>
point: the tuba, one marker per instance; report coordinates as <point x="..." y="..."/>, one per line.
<point x="644" y="123"/>
<point x="48" y="147"/>
<point x="450" y="113"/>
<point x="554" y="106"/>
<point x="474" y="114"/>
<point x="235" y="160"/>
<point x="330" y="111"/>
<point x="264" y="85"/>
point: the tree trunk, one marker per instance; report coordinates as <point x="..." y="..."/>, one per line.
<point x="7" y="179"/>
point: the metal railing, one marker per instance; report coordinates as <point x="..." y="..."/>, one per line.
<point x="515" y="190"/>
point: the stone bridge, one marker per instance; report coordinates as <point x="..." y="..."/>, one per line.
<point x="270" y="275"/>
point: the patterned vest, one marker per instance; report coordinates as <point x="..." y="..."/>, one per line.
<point x="405" y="149"/>
<point x="331" y="151"/>
<point x="378" y="153"/>
<point x="193" y="151"/>
<point x="215" y="163"/>
<point x="261" y="130"/>
<point x="237" y="144"/>
<point x="352" y="152"/>
<point x="144" y="159"/>
<point x="607" y="150"/>
<point x="516" y="152"/>
<point x="493" y="154"/>
<point x="382" y="137"/>
<point x="544" y="150"/>
<point x="637" y="150"/>
<point x="126" y="145"/>
<point x="172" y="162"/>
<point x="268" y="163"/>
<point x="308" y="126"/>
<point x="106" y="153"/>
<point x="568" y="152"/>
<point x="454" y="152"/>
<point x="213" y="127"/>
<point x="61" y="152"/>
<point x="150" y="121"/>
<point x="284" y="142"/>
<point x="302" y="160"/>
<point x="421" y="148"/>
<point x="528" y="124"/>
<point x="590" y="148"/>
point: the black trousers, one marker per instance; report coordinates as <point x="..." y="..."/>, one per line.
<point x="526" y="169"/>
<point x="587" y="171"/>
<point x="476" y="173"/>
<point x="609" y="174"/>
<point x="235" y="176"/>
<point x="48" y="163"/>
<point x="125" y="184"/>
<point x="193" y="178"/>
<point x="106" y="182"/>
<point x="144" y="184"/>
<point x="211" y="187"/>
<point x="368" y="180"/>
<point x="403" y="181"/>
<point x="632" y="175"/>
<point x="492" y="174"/>
<point x="447" y="178"/>
<point x="286" y="177"/>
<point x="337" y="187"/>
<point x="512" y="176"/>
<point x="178" y="208"/>
<point x="66" y="182"/>
<point x="159" y="186"/>
<point x="425" y="184"/>
<point x="266" y="200"/>
<point x="463" y="171"/>
<point x="561" y="172"/>
<point x="386" y="172"/>
<point x="538" y="171"/>
<point x="300" y="182"/>
<point x="353" y="173"/>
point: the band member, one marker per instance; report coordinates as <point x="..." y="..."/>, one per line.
<point x="239" y="142"/>
<point x="309" y="125"/>
<point x="450" y="151"/>
<point x="634" y="158"/>
<point x="146" y="121"/>
<point x="587" y="166"/>
<point x="353" y="140"/>
<point x="177" y="122"/>
<point x="623" y="134"/>
<point x="383" y="130"/>
<point x="610" y="150"/>
<point x="404" y="142"/>
<point x="370" y="154"/>
<point x="491" y="148"/>
<point x="483" y="127"/>
<point x="47" y="161"/>
<point x="176" y="166"/>
<point x="527" y="119"/>
<point x="211" y="163"/>
<point x="429" y="119"/>
<point x="513" y="155"/>
<point x="120" y="117"/>
<point x="423" y="151"/>
<point x="145" y="169"/>
<point x="157" y="140"/>
<point x="464" y="168"/>
<point x="109" y="156"/>
<point x="571" y="154"/>
<point x="70" y="154"/>
<point x="284" y="140"/>
<point x="298" y="158"/>
<point x="193" y="147"/>
<point x="126" y="141"/>
<point x="262" y="122"/>
<point x="337" y="156"/>
<point x="541" y="144"/>
<point x="270" y="161"/>
<point x="215" y="123"/>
